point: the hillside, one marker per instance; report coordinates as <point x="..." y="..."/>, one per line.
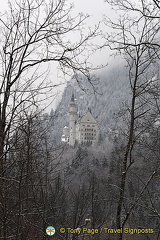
<point x="109" y="95"/>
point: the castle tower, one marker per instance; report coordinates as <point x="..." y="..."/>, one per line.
<point x="72" y="122"/>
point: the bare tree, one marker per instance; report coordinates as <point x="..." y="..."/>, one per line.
<point x="136" y="40"/>
<point x="34" y="33"/>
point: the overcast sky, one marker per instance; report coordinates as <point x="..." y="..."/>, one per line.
<point x="96" y="9"/>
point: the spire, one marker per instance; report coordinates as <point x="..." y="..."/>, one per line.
<point x="89" y="110"/>
<point x="72" y="98"/>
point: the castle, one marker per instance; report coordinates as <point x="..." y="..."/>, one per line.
<point x="83" y="130"/>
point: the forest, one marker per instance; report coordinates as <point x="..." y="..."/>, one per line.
<point x="110" y="191"/>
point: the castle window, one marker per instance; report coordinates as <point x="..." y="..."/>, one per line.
<point x="88" y="125"/>
<point x="93" y="125"/>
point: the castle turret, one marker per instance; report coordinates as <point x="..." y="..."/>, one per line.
<point x="72" y="122"/>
